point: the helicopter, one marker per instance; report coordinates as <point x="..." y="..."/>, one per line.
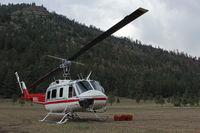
<point x="67" y="97"/>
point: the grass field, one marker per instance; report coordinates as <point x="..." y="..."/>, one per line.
<point x="148" y="118"/>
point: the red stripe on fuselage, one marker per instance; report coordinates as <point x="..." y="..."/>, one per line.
<point x="100" y="98"/>
<point x="63" y="101"/>
<point x="73" y="100"/>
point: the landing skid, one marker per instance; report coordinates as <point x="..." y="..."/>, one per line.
<point x="63" y="120"/>
<point x="97" y="117"/>
<point x="71" y="116"/>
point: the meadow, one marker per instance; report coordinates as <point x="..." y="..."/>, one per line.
<point x="148" y="118"/>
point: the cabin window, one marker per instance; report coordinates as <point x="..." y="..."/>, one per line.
<point x="61" y="92"/>
<point x="48" y="95"/>
<point x="72" y="92"/>
<point x="53" y="95"/>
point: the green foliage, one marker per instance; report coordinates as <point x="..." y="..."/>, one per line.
<point x="176" y="100"/>
<point x="124" y="67"/>
<point x="144" y="97"/>
<point x="192" y="100"/>
<point x="196" y="100"/>
<point x="14" y="98"/>
<point x="159" y="100"/>
<point x="138" y="98"/>
<point x="118" y="100"/>
<point x="184" y="100"/>
<point x="111" y="99"/>
<point x="168" y="100"/>
<point x="21" y="102"/>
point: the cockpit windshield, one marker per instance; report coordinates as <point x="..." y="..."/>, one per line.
<point x="97" y="86"/>
<point x="83" y="86"/>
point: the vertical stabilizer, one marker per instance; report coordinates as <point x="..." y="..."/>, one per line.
<point x="18" y="80"/>
<point x="22" y="86"/>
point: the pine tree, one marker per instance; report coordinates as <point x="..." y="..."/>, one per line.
<point x="138" y="98"/>
<point x="118" y="100"/>
<point x="111" y="99"/>
<point x="184" y="100"/>
<point x="159" y="100"/>
<point x="191" y="100"/>
<point x="176" y="100"/>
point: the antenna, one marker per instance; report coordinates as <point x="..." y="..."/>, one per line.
<point x="78" y="76"/>
<point x="88" y="77"/>
<point x="81" y="75"/>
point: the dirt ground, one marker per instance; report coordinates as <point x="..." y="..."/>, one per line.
<point x="148" y="118"/>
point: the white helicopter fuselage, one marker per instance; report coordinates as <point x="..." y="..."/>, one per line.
<point x="74" y="96"/>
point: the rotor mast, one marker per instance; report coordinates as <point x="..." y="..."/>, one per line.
<point x="66" y="65"/>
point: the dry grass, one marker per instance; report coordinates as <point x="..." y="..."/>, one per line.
<point x="149" y="118"/>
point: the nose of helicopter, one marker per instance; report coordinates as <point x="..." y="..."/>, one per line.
<point x="92" y="98"/>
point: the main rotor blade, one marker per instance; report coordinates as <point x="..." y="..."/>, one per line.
<point x="78" y="63"/>
<point x="44" y="77"/>
<point x="54" y="57"/>
<point x="116" y="27"/>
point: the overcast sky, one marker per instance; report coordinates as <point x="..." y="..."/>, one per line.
<point x="169" y="24"/>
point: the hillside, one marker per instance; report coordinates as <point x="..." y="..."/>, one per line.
<point x="28" y="33"/>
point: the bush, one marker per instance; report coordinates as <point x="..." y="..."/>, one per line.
<point x="138" y="99"/>
<point x="191" y="101"/>
<point x="168" y="100"/>
<point x="111" y="99"/>
<point x="118" y="101"/>
<point x="14" y="98"/>
<point x="145" y="97"/>
<point x="184" y="101"/>
<point x="196" y="100"/>
<point x="159" y="100"/>
<point x="176" y="101"/>
<point x="21" y="102"/>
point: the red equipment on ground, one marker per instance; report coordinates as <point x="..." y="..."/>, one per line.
<point x="126" y="117"/>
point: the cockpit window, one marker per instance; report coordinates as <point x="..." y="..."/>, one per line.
<point x="97" y="86"/>
<point x="83" y="86"/>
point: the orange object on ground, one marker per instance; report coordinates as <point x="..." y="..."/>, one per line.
<point x="123" y="117"/>
<point x="117" y="117"/>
